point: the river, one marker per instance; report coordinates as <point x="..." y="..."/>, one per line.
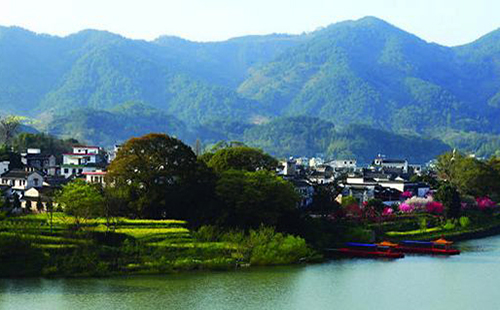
<point x="468" y="281"/>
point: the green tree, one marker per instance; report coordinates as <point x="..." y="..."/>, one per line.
<point x="28" y="205"/>
<point x="16" y="203"/>
<point x="9" y="127"/>
<point x="47" y="143"/>
<point x="50" y="213"/>
<point x="448" y="195"/>
<point x="39" y="205"/>
<point x="160" y="177"/>
<point x="241" y="158"/>
<point x="469" y="175"/>
<point x="81" y="200"/>
<point x="324" y="201"/>
<point x="249" y="199"/>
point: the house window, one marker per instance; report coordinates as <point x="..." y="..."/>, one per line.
<point x="80" y="171"/>
<point x="36" y="182"/>
<point x="66" y="170"/>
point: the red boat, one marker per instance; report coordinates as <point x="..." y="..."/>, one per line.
<point x="437" y="247"/>
<point x="367" y="251"/>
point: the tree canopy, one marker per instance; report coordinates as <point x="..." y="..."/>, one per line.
<point x="241" y="158"/>
<point x="160" y="177"/>
<point x="80" y="199"/>
<point x="249" y="199"/>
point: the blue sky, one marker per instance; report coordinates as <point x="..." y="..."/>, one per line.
<point x="447" y="22"/>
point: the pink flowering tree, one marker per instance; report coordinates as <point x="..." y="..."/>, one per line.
<point x="418" y="204"/>
<point x="387" y="211"/>
<point x="485" y="203"/>
<point x="406" y="195"/>
<point x="434" y="207"/>
<point x="406" y="208"/>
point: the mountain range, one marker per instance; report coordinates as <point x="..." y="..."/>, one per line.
<point x="353" y="81"/>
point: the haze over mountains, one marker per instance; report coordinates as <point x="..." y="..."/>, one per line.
<point x="103" y="88"/>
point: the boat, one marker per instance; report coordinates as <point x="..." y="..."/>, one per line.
<point x="437" y="247"/>
<point x="366" y="250"/>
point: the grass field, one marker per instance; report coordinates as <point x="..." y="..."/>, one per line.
<point x="64" y="247"/>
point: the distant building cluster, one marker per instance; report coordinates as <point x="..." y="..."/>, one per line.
<point x="385" y="179"/>
<point x="41" y="174"/>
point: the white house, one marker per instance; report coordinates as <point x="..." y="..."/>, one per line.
<point x="82" y="160"/>
<point x="21" y="180"/>
<point x="34" y="158"/>
<point x="382" y="162"/>
<point x="343" y="164"/>
<point x="96" y="177"/>
<point x="36" y="194"/>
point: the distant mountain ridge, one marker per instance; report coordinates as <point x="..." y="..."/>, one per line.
<point x="365" y="71"/>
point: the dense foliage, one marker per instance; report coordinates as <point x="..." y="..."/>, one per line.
<point x="241" y="158"/>
<point x="48" y="144"/>
<point x="250" y="199"/>
<point x="159" y="176"/>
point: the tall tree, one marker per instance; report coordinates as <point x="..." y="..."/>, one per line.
<point x="9" y="127"/>
<point x="197" y="148"/>
<point x="448" y="195"/>
<point x="160" y="177"/>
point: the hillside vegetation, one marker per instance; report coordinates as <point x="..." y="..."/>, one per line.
<point x="355" y="72"/>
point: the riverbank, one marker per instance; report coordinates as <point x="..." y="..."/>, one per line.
<point x="454" y="230"/>
<point x="72" y="248"/>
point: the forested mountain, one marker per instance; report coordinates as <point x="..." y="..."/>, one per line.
<point x="103" y="88"/>
<point x="369" y="71"/>
<point x="309" y="136"/>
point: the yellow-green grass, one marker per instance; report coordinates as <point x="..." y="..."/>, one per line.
<point x="145" y="232"/>
<point x="192" y="245"/>
<point x="41" y="239"/>
<point x="414" y="232"/>
<point x="61" y="218"/>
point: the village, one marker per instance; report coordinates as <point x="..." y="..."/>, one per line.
<point x="31" y="186"/>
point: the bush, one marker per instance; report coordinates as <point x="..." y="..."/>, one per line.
<point x="450" y="225"/>
<point x="464" y="221"/>
<point x="19" y="258"/>
<point x="270" y="248"/>
<point x="207" y="233"/>
<point x="358" y="234"/>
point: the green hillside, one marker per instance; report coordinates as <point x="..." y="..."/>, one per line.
<point x="110" y="127"/>
<point x="308" y="136"/>
<point x="371" y="72"/>
<point x="365" y="71"/>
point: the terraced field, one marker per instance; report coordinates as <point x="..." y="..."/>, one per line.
<point x="124" y="245"/>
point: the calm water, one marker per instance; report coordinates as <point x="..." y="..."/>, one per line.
<point x="468" y="281"/>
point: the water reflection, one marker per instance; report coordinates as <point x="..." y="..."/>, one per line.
<point x="467" y="281"/>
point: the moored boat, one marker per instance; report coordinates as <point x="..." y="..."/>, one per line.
<point x="353" y="249"/>
<point x="438" y="247"/>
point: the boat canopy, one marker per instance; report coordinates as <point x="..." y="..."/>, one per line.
<point x="353" y="244"/>
<point x="411" y="242"/>
<point x="442" y="241"/>
<point x="387" y="243"/>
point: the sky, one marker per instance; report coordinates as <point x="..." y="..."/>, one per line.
<point x="447" y="22"/>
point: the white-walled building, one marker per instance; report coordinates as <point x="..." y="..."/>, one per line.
<point x="4" y="166"/>
<point x="343" y="164"/>
<point x="21" y="180"/>
<point x="83" y="159"/>
<point x="96" y="177"/>
<point x="33" y="158"/>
